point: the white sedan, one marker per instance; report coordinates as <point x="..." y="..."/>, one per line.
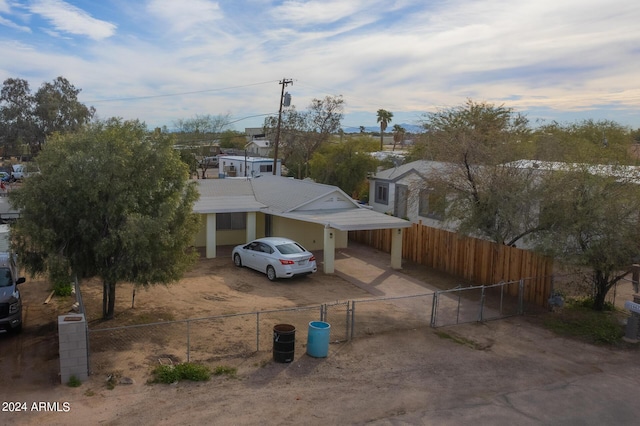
<point x="277" y="257"/>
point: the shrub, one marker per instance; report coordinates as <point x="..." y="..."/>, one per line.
<point x="183" y="371"/>
<point x="59" y="275"/>
<point x="74" y="382"/>
<point x="62" y="289"/>
<point x="579" y="320"/>
<point x="165" y="374"/>
<point x="193" y="372"/>
<point x="224" y="370"/>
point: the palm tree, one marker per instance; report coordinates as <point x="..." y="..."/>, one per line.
<point x="384" y="118"/>
<point x="398" y="135"/>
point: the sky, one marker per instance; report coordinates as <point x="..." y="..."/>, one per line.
<point x="160" y="61"/>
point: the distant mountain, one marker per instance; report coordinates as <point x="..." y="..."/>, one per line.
<point x="410" y="128"/>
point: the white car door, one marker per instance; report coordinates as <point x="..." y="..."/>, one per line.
<point x="249" y="257"/>
<point x="262" y="257"/>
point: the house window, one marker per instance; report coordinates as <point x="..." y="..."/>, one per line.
<point x="432" y="204"/>
<point x="266" y="168"/>
<point x="382" y="193"/>
<point x="231" y="221"/>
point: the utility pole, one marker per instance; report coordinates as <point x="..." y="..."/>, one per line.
<point x="284" y="83"/>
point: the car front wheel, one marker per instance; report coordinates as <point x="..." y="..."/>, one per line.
<point x="271" y="273"/>
<point x="236" y="260"/>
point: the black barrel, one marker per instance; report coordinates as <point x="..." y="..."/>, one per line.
<point x="284" y="342"/>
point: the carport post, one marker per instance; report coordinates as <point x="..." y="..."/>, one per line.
<point x="329" y="250"/>
<point x="396" y="248"/>
<point x="211" y="236"/>
<point x="251" y="226"/>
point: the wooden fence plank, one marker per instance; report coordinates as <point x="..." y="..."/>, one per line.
<point x="479" y="261"/>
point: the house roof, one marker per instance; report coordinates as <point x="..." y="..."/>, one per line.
<point x="260" y="143"/>
<point x="292" y="198"/>
<point x="248" y="159"/>
<point x="421" y="167"/>
<point x="226" y="196"/>
<point x="287" y="195"/>
<point x="621" y="172"/>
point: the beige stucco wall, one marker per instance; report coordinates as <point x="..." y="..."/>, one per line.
<point x="227" y="238"/>
<point x="310" y="235"/>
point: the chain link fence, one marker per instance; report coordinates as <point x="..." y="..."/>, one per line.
<point x="479" y="303"/>
<point x="214" y="338"/>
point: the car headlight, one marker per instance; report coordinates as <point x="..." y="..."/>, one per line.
<point x="14" y="308"/>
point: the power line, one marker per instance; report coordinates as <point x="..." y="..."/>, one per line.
<point x="251" y="116"/>
<point x="178" y="94"/>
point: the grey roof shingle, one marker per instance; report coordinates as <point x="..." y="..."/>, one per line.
<point x="285" y="194"/>
<point x="422" y="167"/>
<point x="287" y="197"/>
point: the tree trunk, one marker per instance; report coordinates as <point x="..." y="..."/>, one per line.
<point x="108" y="299"/>
<point x="601" y="289"/>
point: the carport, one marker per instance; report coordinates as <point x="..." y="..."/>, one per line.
<point x="238" y="210"/>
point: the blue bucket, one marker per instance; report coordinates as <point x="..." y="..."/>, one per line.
<point x="318" y="339"/>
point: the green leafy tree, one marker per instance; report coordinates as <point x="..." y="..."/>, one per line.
<point x="114" y="201"/>
<point x="233" y="139"/>
<point x="302" y="133"/>
<point x="582" y="141"/>
<point x="200" y="134"/>
<point x="476" y="133"/>
<point x="57" y="108"/>
<point x="383" y="117"/>
<point x="590" y="217"/>
<point x="17" y="118"/>
<point x="344" y="165"/>
<point x="31" y="119"/>
<point x="485" y="197"/>
<point x="189" y="158"/>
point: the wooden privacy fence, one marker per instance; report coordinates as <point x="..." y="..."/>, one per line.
<point x="479" y="261"/>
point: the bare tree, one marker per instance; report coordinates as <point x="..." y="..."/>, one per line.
<point x="201" y="134"/>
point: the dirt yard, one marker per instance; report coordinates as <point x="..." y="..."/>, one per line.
<point x="500" y="372"/>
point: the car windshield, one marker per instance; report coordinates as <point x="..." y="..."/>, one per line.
<point x="290" y="248"/>
<point x="5" y="277"/>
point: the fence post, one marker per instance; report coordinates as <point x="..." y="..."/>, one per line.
<point x="353" y="318"/>
<point x="458" y="308"/>
<point x="346" y="324"/>
<point x="257" y="331"/>
<point x="434" y="309"/>
<point x="481" y="304"/>
<point x="76" y="286"/>
<point x="521" y="297"/>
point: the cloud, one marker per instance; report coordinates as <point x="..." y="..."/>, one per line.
<point x="5" y="9"/>
<point x="317" y="12"/>
<point x="181" y="16"/>
<point x="11" y="24"/>
<point x="67" y="18"/>
<point x="400" y="55"/>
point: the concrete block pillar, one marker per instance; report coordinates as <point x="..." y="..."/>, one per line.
<point x="72" y="339"/>
<point x="632" y="331"/>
